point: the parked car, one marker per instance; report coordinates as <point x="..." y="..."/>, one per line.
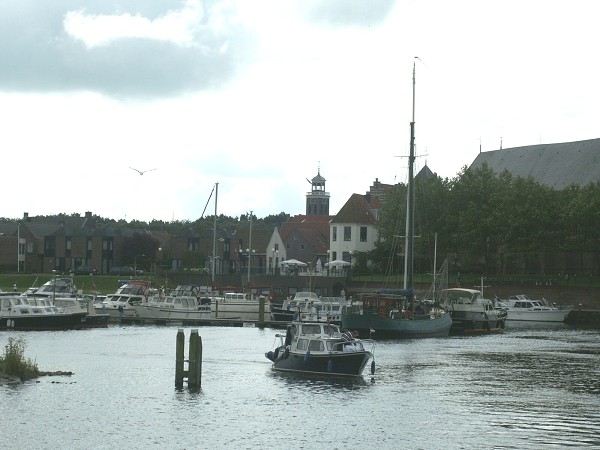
<point x="84" y="270"/>
<point x="126" y="270"/>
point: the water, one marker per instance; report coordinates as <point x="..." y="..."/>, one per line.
<point x="523" y="389"/>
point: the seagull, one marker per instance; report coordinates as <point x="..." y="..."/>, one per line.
<point x="141" y="172"/>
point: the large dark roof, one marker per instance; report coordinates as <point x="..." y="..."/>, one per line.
<point x="356" y="210"/>
<point x="555" y="165"/>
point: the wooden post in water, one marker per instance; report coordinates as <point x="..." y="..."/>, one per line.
<point x="216" y="309"/>
<point x="194" y="372"/>
<point x="261" y="311"/>
<point x="195" y="363"/>
<point x="179" y="359"/>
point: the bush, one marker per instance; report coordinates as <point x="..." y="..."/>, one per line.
<point x="14" y="363"/>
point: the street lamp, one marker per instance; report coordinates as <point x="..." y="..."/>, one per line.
<point x="250" y="252"/>
<point x="328" y="259"/>
<point x="274" y="252"/>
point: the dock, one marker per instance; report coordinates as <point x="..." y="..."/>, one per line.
<point x="214" y="322"/>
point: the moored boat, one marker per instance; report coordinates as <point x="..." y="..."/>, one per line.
<point x="391" y="312"/>
<point x="308" y="306"/>
<point x="185" y="302"/>
<point x="85" y="304"/>
<point x="521" y="308"/>
<point x="470" y="312"/>
<point x="239" y="306"/>
<point x="320" y="349"/>
<point x="121" y="303"/>
<point x="18" y="312"/>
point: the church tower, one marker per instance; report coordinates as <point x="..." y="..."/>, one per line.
<point x="317" y="200"/>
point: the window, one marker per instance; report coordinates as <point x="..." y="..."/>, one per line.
<point x="347" y="234"/>
<point x="302" y="344"/>
<point x="334" y="232"/>
<point x="316" y="346"/>
<point x="363" y="234"/>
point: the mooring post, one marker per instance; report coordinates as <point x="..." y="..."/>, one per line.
<point x="179" y="359"/>
<point x="261" y="311"/>
<point x="216" y="309"/>
<point x="195" y="364"/>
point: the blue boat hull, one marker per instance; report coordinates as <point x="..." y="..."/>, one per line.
<point x="398" y="327"/>
<point x="337" y="364"/>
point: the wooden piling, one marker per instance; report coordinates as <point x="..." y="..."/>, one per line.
<point x="179" y="359"/>
<point x="195" y="363"/>
<point x="194" y="372"/>
<point x="261" y="311"/>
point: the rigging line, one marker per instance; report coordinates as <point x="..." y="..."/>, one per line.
<point x="205" y="206"/>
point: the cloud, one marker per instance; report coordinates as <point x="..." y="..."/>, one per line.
<point x="131" y="53"/>
<point x="349" y="12"/>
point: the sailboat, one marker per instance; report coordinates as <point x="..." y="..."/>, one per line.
<point x="394" y="312"/>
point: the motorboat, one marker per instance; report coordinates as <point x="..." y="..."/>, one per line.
<point x="521" y="308"/>
<point x="239" y="305"/>
<point x="85" y="304"/>
<point x="121" y="303"/>
<point x="55" y="287"/>
<point x="470" y="312"/>
<point x="321" y="349"/>
<point x="185" y="302"/>
<point x="308" y="306"/>
<point x="19" y="312"/>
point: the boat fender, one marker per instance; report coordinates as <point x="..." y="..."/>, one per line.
<point x="307" y="356"/>
<point x="329" y="366"/>
<point x="270" y="356"/>
<point x="373" y="367"/>
<point x="286" y="353"/>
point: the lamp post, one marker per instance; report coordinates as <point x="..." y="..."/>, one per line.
<point x="250" y="252"/>
<point x="328" y="259"/>
<point x="249" y="247"/>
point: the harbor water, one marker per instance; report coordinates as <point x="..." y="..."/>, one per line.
<point x="527" y="388"/>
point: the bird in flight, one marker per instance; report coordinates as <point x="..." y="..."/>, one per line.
<point x="141" y="172"/>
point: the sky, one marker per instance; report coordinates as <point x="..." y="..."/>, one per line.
<point x="259" y="96"/>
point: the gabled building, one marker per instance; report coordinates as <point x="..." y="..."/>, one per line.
<point x="306" y="238"/>
<point x="554" y="165"/>
<point x="353" y="228"/>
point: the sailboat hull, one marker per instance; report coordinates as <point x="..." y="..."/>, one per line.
<point x="402" y="328"/>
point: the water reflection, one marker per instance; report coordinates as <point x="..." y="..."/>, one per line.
<point x="319" y="383"/>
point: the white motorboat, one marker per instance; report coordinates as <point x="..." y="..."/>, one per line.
<point x="121" y="303"/>
<point x="522" y="308"/>
<point x="308" y="306"/>
<point x="470" y="312"/>
<point x="185" y="302"/>
<point x="239" y="305"/>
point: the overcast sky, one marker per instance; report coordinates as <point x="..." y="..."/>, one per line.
<point x="258" y="95"/>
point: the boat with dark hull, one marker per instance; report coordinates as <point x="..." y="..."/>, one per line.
<point x="392" y="312"/>
<point x="85" y="304"/>
<point x="320" y="349"/>
<point x="471" y="313"/>
<point x="21" y="313"/>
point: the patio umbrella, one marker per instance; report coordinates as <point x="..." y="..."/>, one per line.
<point x="338" y="263"/>
<point x="292" y="262"/>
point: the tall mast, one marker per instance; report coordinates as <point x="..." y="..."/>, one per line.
<point x="214" y="252"/>
<point x="408" y="254"/>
